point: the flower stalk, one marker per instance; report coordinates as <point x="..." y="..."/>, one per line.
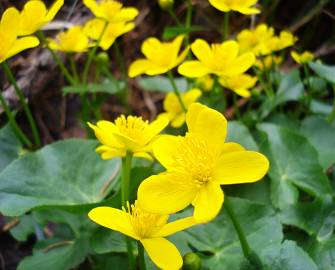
<point x="176" y="91"/>
<point x="141" y="260"/>
<point x="225" y="33"/>
<point x="24" y="104"/>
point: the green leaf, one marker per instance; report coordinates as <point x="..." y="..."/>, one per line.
<point x="107" y="86"/>
<point x="293" y="164"/>
<point x="319" y="107"/>
<point x="290" y="88"/>
<point x="105" y="241"/>
<point x="322" y="136"/>
<point x="65" y="173"/>
<point x="218" y="241"/>
<point x="323" y="253"/>
<point x="24" y="228"/>
<point x="162" y="84"/>
<point x="62" y="255"/>
<point x="324" y="71"/>
<point x="239" y="133"/>
<point x="10" y="146"/>
<point x="171" y="32"/>
<point x="286" y="256"/>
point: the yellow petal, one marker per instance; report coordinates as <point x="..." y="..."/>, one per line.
<point x="163" y="253"/>
<point x="144" y="155"/>
<point x="241" y="64"/>
<point x="156" y="127"/>
<point x="211" y="126"/>
<point x="140" y="66"/>
<point x="202" y="50"/>
<point x="193" y="69"/>
<point x="248" y="10"/>
<point x="104" y="132"/>
<point x="107" y="152"/>
<point x="150" y="46"/>
<point x="220" y="5"/>
<point x="231" y="147"/>
<point x="192" y="114"/>
<point x="114" y="219"/>
<point x="22" y="44"/>
<point x="176" y="45"/>
<point x="178" y="121"/>
<point x="53" y="10"/>
<point x="127" y="14"/>
<point x="164" y="193"/>
<point x="176" y="226"/>
<point x="9" y="19"/>
<point x="191" y="96"/>
<point x="93" y="6"/>
<point x="208" y="202"/>
<point x="240" y="167"/>
<point x="165" y="148"/>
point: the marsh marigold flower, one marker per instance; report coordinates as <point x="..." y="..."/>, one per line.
<point x="130" y="133"/>
<point x="242" y="6"/>
<point x="111" y="11"/>
<point x="10" y="44"/>
<point x="197" y="165"/>
<point x="94" y="28"/>
<point x="302" y="58"/>
<point x="35" y="15"/>
<point x="220" y="59"/>
<point x="268" y="62"/>
<point x="160" y="57"/>
<point x="148" y="228"/>
<point x="173" y="111"/>
<point x="206" y="83"/>
<point x="284" y="40"/>
<point x="72" y="40"/>
<point x="239" y="84"/>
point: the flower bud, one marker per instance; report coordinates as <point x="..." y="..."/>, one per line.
<point x="191" y="261"/>
<point x="102" y="58"/>
<point x="165" y="4"/>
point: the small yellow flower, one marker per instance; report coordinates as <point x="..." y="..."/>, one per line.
<point x="206" y="83"/>
<point x="94" y="27"/>
<point x="10" y="44"/>
<point x="174" y="112"/>
<point x="72" y="40"/>
<point x="220" y="59"/>
<point x="130" y="133"/>
<point x="242" y="6"/>
<point x="256" y="40"/>
<point x="268" y="62"/>
<point x="302" y="58"/>
<point x="239" y="84"/>
<point x="111" y="11"/>
<point x="197" y="165"/>
<point x="284" y="40"/>
<point x="160" y="57"/>
<point x="35" y="15"/>
<point x="148" y="228"/>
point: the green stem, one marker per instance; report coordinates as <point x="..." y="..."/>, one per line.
<point x="56" y="58"/>
<point x="24" y="104"/>
<point x="188" y="22"/>
<point x="269" y="89"/>
<point x="141" y="260"/>
<point x="251" y="256"/>
<point x="176" y="91"/>
<point x="331" y="116"/>
<point x="73" y="67"/>
<point x="309" y="91"/>
<point x="13" y="123"/>
<point x="174" y="17"/>
<point x="92" y="54"/>
<point x="125" y="189"/>
<point x="225" y="33"/>
<point x="236" y="108"/>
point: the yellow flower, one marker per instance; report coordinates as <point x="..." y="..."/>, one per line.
<point x="268" y="62"/>
<point x="239" y="84"/>
<point x="72" y="40"/>
<point x="111" y="11"/>
<point x="160" y="57"/>
<point x="206" y="83"/>
<point x="130" y="133"/>
<point x="242" y="6"/>
<point x="256" y="40"/>
<point x="196" y="165"/>
<point x="94" y="27"/>
<point x="10" y="45"/>
<point x="174" y="112"/>
<point x="220" y="59"/>
<point x="148" y="228"/>
<point x="284" y="40"/>
<point x="35" y="15"/>
<point x="303" y="58"/>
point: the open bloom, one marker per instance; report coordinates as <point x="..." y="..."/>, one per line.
<point x="35" y="15"/>
<point x="94" y="28"/>
<point x="111" y="11"/>
<point x="239" y="84"/>
<point x="302" y="58"/>
<point x="72" y="40"/>
<point x="242" y="6"/>
<point x="197" y="165"/>
<point x="130" y="133"/>
<point x="10" y="44"/>
<point x="173" y="110"/>
<point x="284" y="40"/>
<point x="148" y="228"/>
<point x="220" y="59"/>
<point x="160" y="57"/>
<point x="256" y="40"/>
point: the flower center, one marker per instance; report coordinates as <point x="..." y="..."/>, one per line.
<point x="144" y="223"/>
<point x="132" y="126"/>
<point x="195" y="161"/>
